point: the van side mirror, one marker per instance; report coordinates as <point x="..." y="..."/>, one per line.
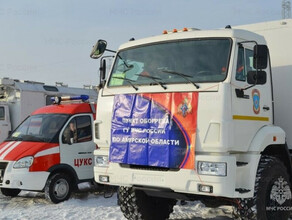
<point x="256" y="77"/>
<point x="98" y="49"/>
<point x="260" y="57"/>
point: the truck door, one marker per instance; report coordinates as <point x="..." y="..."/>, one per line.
<point x="5" y="125"/>
<point x="77" y="146"/>
<point x="254" y="109"/>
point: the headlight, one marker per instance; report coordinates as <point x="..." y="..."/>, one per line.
<point x="212" y="168"/>
<point x="101" y="161"/>
<point x="24" y="162"/>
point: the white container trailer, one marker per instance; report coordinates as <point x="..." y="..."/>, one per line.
<point x="19" y="98"/>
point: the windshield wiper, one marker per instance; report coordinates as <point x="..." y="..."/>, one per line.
<point x="14" y="139"/>
<point x="128" y="68"/>
<point x="33" y="138"/>
<point x="155" y="79"/>
<point x="185" y="76"/>
<point x="127" y="80"/>
<point x="125" y="63"/>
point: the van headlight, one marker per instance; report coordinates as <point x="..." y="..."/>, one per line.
<point x="24" y="162"/>
<point x="101" y="161"/>
<point x="212" y="168"/>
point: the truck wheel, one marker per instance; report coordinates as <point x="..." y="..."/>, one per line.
<point x="10" y="192"/>
<point x="58" y="188"/>
<point x="136" y="205"/>
<point x="272" y="196"/>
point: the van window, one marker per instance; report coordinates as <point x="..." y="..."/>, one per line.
<point x="35" y="125"/>
<point x="78" y="130"/>
<point x="51" y="88"/>
<point x="2" y="113"/>
<point x="84" y="129"/>
<point x="40" y="128"/>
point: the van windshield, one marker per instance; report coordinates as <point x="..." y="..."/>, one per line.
<point x="40" y="128"/>
<point x="188" y="61"/>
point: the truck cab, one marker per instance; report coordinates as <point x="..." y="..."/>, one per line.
<point x="50" y="151"/>
<point x="189" y="115"/>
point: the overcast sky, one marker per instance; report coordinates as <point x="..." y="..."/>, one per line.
<point x="50" y="40"/>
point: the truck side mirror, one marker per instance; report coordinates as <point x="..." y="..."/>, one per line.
<point x="98" y="49"/>
<point x="260" y="57"/>
<point x="256" y="77"/>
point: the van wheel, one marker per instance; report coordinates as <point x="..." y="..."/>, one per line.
<point x="136" y="205"/>
<point x="58" y="188"/>
<point x="10" y="192"/>
<point x="272" y="196"/>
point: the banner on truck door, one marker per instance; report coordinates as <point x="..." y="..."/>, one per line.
<point x="154" y="129"/>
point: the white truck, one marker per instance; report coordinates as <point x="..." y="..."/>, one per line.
<point x="18" y="98"/>
<point x="199" y="115"/>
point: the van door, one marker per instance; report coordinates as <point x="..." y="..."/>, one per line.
<point x="5" y="125"/>
<point x="77" y="146"/>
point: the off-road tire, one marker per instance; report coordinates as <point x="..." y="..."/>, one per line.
<point x="136" y="205"/>
<point x="270" y="170"/>
<point x="10" y="192"/>
<point x="58" y="188"/>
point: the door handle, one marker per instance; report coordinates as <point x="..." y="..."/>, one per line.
<point x="266" y="108"/>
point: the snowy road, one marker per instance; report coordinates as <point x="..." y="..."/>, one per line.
<point x="86" y="206"/>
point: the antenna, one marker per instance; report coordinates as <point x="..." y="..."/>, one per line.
<point x="286" y="9"/>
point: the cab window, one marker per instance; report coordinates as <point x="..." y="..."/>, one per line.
<point x="171" y="62"/>
<point x="70" y="133"/>
<point x="244" y="63"/>
<point x="78" y="130"/>
<point x="84" y="129"/>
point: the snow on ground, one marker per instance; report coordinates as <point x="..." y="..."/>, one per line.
<point x="87" y="206"/>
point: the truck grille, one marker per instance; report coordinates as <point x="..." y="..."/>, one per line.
<point x="2" y="171"/>
<point x="139" y="167"/>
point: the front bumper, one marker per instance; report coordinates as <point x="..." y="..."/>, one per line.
<point x="23" y="179"/>
<point x="182" y="181"/>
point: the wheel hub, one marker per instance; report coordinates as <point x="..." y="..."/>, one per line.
<point x="61" y="188"/>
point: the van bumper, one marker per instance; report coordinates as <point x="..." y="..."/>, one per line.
<point x="23" y="179"/>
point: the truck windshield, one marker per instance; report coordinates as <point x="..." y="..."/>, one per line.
<point x="39" y="128"/>
<point x="199" y="60"/>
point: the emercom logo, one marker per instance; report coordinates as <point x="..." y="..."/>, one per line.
<point x="280" y="191"/>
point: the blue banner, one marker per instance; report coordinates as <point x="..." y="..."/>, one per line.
<point x="145" y="131"/>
